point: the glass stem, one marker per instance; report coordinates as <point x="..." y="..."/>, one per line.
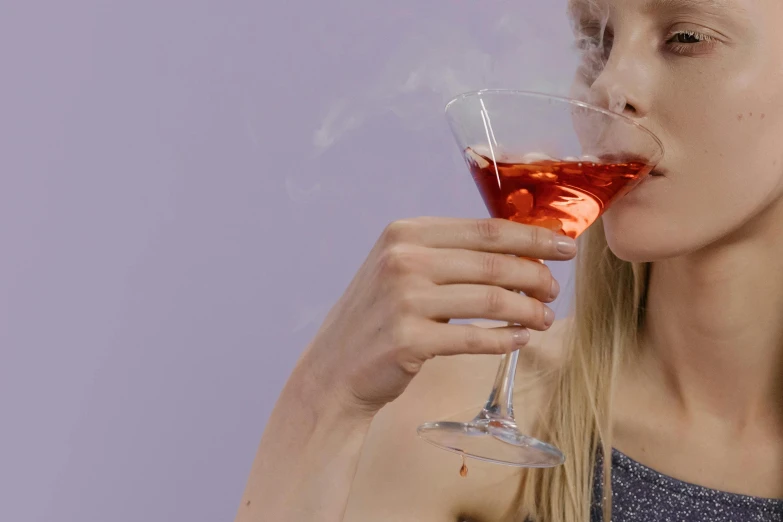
<point x="500" y="405"/>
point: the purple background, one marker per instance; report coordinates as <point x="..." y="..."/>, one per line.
<point x="187" y="187"/>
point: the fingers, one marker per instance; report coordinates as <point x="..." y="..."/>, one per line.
<point x="453" y="266"/>
<point x="485" y="302"/>
<point x="454" y="339"/>
<point x="485" y="235"/>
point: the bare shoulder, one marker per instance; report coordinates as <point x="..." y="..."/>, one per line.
<point x="401" y="477"/>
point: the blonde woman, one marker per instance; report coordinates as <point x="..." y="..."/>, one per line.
<point x="671" y="362"/>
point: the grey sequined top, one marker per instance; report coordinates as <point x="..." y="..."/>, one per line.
<point x="641" y="494"/>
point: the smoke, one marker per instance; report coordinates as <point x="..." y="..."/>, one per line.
<point x="593" y="41"/>
<point x="433" y="64"/>
<point x="441" y="62"/>
<point x="531" y="47"/>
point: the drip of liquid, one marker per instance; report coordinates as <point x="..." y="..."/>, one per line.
<point x="463" y="471"/>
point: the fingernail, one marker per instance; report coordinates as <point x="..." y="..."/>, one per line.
<point x="521" y="337"/>
<point x="565" y="245"/>
<point x="555" y="290"/>
<point x="549" y="316"/>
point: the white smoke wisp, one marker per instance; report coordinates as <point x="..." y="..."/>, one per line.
<point x="438" y="62"/>
<point x="593" y="43"/>
<point x="441" y="62"/>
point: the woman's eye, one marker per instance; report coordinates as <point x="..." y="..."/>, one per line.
<point x="688" y="37"/>
<point x="690" y="42"/>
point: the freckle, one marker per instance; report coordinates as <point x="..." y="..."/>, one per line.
<point x="750" y="114"/>
<point x="247" y="503"/>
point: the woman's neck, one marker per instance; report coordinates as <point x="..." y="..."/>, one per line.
<point x="713" y="337"/>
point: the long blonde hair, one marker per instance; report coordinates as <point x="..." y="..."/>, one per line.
<point x="610" y="295"/>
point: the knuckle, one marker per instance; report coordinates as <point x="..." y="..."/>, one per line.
<point x="474" y="341"/>
<point x="399" y="231"/>
<point x="493" y="301"/>
<point x="397" y="259"/>
<point x="490" y="266"/>
<point x="403" y="338"/>
<point x="394" y="232"/>
<point x="405" y="301"/>
<point x="501" y="345"/>
<point x="540" y="237"/>
<point x="489" y="229"/>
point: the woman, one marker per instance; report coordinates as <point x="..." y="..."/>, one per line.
<point x="672" y="360"/>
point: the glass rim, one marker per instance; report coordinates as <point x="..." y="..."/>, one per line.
<point x="571" y="101"/>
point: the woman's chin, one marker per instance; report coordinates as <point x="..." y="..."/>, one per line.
<point x="634" y="253"/>
<point x="635" y="243"/>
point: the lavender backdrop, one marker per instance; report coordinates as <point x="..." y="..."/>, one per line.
<point x="187" y="186"/>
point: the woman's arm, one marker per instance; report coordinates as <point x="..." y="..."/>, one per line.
<point x="374" y="342"/>
<point x="315" y="458"/>
<point x="307" y="458"/>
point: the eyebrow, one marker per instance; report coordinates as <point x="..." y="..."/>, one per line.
<point x="575" y="7"/>
<point x="719" y="6"/>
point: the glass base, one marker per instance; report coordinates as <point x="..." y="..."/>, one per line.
<point x="495" y="441"/>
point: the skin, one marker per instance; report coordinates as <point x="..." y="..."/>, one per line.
<point x="710" y="370"/>
<point x="715" y="105"/>
<point x="707" y="79"/>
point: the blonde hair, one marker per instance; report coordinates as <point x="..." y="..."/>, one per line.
<point x="608" y="313"/>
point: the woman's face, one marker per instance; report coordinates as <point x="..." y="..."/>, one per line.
<point x="706" y="77"/>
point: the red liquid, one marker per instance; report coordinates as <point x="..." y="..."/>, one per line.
<point x="563" y="196"/>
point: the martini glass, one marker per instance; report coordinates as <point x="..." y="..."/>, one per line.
<point x="545" y="161"/>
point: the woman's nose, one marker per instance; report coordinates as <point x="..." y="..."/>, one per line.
<point x="624" y="85"/>
<point x="613" y="97"/>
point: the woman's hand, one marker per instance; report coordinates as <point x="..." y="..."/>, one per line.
<point x="421" y="273"/>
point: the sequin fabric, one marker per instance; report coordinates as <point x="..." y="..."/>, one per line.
<point x="641" y="494"/>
